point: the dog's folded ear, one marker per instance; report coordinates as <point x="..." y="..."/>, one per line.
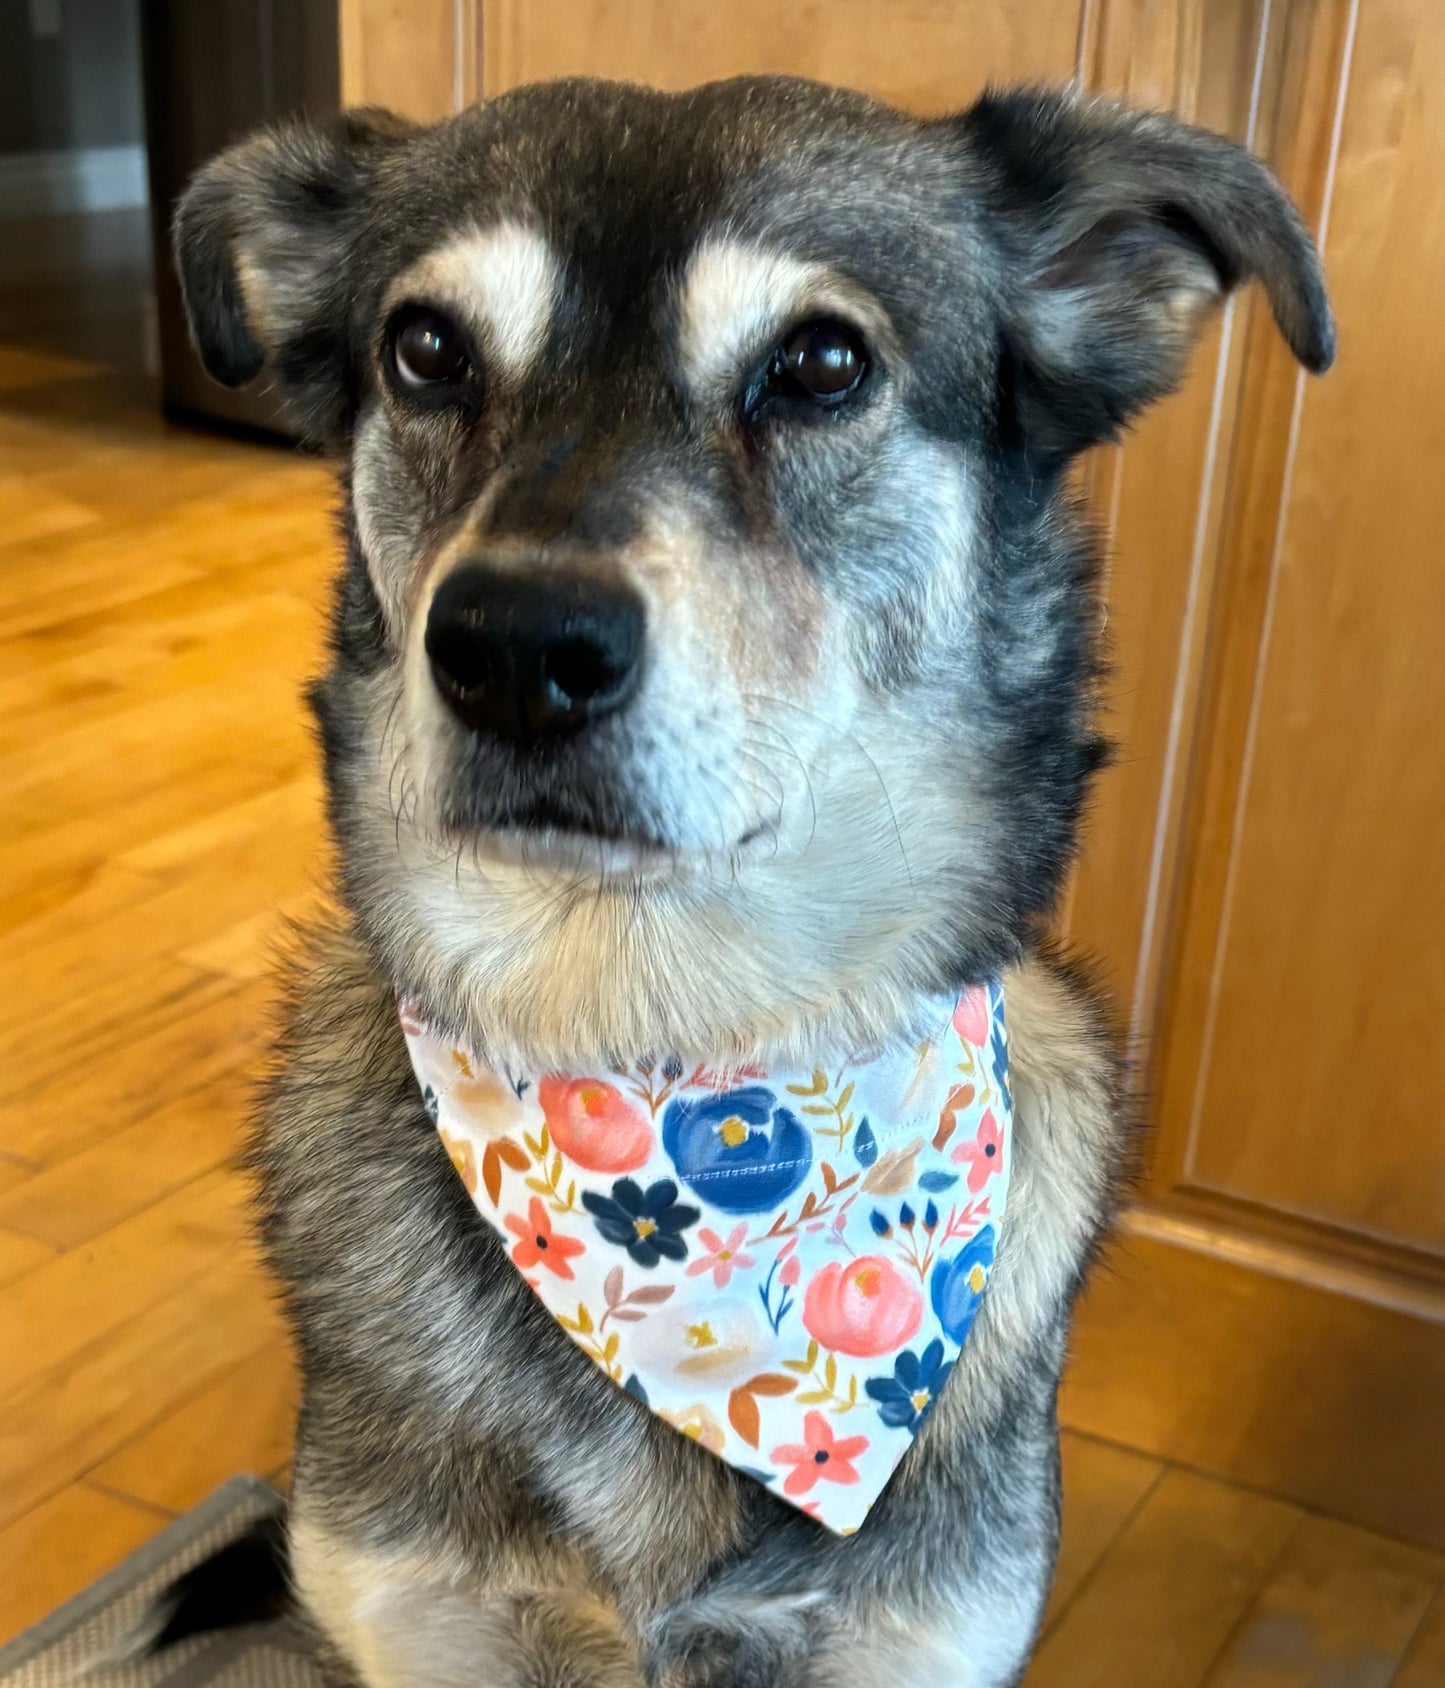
<point x="262" y="237"/>
<point x="1122" y="230"/>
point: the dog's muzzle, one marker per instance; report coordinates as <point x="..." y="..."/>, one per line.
<point x="526" y="657"/>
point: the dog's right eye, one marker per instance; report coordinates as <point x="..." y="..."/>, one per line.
<point x="819" y="367"/>
<point x="426" y="351"/>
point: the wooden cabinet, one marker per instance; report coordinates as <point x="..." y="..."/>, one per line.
<point x="1264" y="872"/>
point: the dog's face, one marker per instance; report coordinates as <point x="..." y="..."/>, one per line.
<point x="714" y="654"/>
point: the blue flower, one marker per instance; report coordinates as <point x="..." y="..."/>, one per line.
<point x="958" y="1283"/>
<point x="905" y="1399"/>
<point x="647" y="1223"/>
<point x="739" y="1150"/>
<point x="998" y="1037"/>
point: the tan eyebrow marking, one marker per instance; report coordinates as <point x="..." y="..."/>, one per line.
<point x="735" y="295"/>
<point x="504" y="280"/>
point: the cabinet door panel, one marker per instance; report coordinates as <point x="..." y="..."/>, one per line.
<point x="929" y="55"/>
<point x="1319" y="1081"/>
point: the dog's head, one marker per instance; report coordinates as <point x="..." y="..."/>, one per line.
<point x="715" y="653"/>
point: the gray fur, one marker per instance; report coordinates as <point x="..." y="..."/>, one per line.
<point x="871" y="646"/>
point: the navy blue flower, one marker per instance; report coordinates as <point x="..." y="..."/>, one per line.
<point x="647" y="1223"/>
<point x="739" y="1150"/>
<point x="958" y="1283"/>
<point x="905" y="1398"/>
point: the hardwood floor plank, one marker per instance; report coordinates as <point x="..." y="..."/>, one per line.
<point x="61" y="1308"/>
<point x="126" y="916"/>
<point x="291" y="812"/>
<point x="1424" y="1662"/>
<point x="223" y="1031"/>
<point x="53" y="1551"/>
<point x="249" y="949"/>
<point x="1341" y="1606"/>
<point x="70" y="1418"/>
<point x="77" y="1199"/>
<point x="1170" y="1590"/>
<point x="246" y="1421"/>
<point x="39" y="1043"/>
<point x="1103" y="1486"/>
<point x="14" y="1171"/>
<point x="45" y="871"/>
<point x="20" y="1254"/>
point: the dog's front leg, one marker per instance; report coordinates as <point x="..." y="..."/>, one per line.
<point x="395" y="1618"/>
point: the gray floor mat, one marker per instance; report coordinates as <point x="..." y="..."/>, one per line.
<point x="62" y="1649"/>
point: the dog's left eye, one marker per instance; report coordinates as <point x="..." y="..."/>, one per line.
<point x="426" y="350"/>
<point x="823" y="361"/>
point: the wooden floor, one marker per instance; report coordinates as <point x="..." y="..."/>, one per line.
<point x="160" y="604"/>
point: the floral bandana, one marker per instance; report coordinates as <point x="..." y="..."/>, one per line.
<point x="782" y="1264"/>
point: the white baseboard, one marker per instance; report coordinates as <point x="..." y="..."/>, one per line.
<point x="87" y="179"/>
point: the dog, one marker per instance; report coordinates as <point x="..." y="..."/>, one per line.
<point x="713" y="672"/>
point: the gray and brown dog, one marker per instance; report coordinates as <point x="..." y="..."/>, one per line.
<point x="713" y="671"/>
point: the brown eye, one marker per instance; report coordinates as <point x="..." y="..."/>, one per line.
<point x="427" y="350"/>
<point x="825" y="359"/>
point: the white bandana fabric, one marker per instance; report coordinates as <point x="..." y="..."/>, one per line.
<point x="781" y="1264"/>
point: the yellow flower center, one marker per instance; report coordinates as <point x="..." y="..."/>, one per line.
<point x="593" y="1100"/>
<point x="920" y="1400"/>
<point x="724" y="1254"/>
<point x="692" y="1428"/>
<point x="868" y="1280"/>
<point x="977" y="1278"/>
<point x="700" y="1336"/>
<point x="644" y="1227"/>
<point x="733" y="1131"/>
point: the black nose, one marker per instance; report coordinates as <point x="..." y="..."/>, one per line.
<point x="530" y="656"/>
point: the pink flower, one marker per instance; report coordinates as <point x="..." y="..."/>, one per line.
<point x="538" y="1245"/>
<point x="593" y="1122"/>
<point x="862" y="1307"/>
<point x="970" y="1018"/>
<point x="984" y="1155"/>
<point x="722" y="1257"/>
<point x="791" y="1272"/>
<point x="820" y="1457"/>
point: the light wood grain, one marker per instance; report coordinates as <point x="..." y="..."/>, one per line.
<point x="123" y="1173"/>
<point x="21" y="1254"/>
<point x="69" y="1418"/>
<point x="245" y="1421"/>
<point x="1424" y="1662"/>
<point x="928" y="55"/>
<point x="54" y="1551"/>
<point x="1329" y="1106"/>
<point x="417" y="57"/>
<point x="1103" y="1487"/>
<point x="160" y="605"/>
<point x="1322" y="1396"/>
<point x="221" y="1026"/>
<point x="1160" y="500"/>
<point x="1340" y="1606"/>
<point x="1170" y="1591"/>
<point x="62" y="1307"/>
